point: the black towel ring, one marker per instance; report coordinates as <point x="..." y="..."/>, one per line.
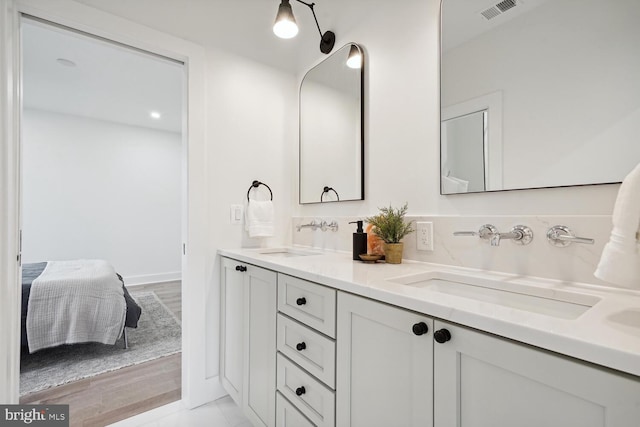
<point x="326" y="190"/>
<point x="256" y="184"/>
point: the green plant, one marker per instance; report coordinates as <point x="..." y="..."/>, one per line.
<point x="389" y="224"/>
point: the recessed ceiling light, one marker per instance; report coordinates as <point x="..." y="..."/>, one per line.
<point x="66" y="62"/>
<point x="155" y="115"/>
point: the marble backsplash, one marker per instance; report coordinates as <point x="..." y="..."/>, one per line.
<point x="575" y="263"/>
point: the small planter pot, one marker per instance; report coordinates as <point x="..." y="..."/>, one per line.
<point x="393" y="252"/>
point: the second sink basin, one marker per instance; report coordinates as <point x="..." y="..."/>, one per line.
<point x="286" y="252"/>
<point x="550" y="302"/>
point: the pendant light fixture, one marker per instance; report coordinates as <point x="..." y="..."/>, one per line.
<point x="285" y="26"/>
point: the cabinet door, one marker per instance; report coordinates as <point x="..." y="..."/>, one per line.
<point x="260" y="345"/>
<point x="231" y="328"/>
<point x="384" y="371"/>
<point x="482" y="380"/>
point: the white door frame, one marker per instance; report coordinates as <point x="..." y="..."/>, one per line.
<point x="9" y="202"/>
<point x="196" y="387"/>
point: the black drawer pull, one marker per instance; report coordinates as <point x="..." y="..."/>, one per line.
<point x="300" y="391"/>
<point x="301" y="346"/>
<point x="241" y="268"/>
<point x="301" y="301"/>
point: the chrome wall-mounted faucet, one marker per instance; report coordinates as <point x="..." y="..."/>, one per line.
<point x="322" y="225"/>
<point x="485" y="232"/>
<point x="519" y="234"/>
<point x="312" y="225"/>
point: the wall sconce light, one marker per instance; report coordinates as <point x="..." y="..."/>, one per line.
<point x="285" y="26"/>
<point x="354" y="60"/>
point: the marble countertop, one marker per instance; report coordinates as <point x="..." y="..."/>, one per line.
<point x="606" y="334"/>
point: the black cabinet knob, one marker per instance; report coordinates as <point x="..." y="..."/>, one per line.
<point x="301" y="346"/>
<point x="241" y="268"/>
<point x="300" y="391"/>
<point x="301" y="301"/>
<point x="442" y="335"/>
<point x="420" y="328"/>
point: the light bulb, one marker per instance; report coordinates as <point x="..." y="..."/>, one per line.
<point x="285" y="26"/>
<point x="285" y="29"/>
<point x="354" y="60"/>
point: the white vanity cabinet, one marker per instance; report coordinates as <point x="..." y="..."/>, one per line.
<point x="295" y="353"/>
<point x="482" y="380"/>
<point x="248" y="338"/>
<point x="384" y="365"/>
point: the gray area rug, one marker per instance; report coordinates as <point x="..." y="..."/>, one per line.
<point x="158" y="334"/>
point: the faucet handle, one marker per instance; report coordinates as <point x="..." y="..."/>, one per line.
<point x="561" y="236"/>
<point x="485" y="232"/>
<point x="333" y="225"/>
<point x="523" y="234"/>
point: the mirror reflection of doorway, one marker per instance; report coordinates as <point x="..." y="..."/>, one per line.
<point x="464" y="142"/>
<point x="102" y="155"/>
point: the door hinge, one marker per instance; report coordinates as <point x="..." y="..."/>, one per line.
<point x="19" y="257"/>
<point x="184" y="249"/>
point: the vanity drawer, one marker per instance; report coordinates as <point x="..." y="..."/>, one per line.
<point x="288" y="416"/>
<point x="310" y="396"/>
<point x="308" y="302"/>
<point x="309" y="349"/>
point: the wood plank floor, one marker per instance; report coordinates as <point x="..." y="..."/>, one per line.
<point x="114" y="396"/>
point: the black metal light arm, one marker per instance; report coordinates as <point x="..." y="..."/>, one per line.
<point x="310" y="5"/>
<point x="328" y="39"/>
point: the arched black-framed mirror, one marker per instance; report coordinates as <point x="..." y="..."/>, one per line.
<point x="332" y="128"/>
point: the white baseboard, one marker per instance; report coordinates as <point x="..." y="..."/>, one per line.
<point x="152" y="278"/>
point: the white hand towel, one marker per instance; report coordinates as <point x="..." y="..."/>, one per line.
<point x="620" y="260"/>
<point x="259" y="218"/>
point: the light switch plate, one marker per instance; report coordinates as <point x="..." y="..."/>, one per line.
<point x="235" y="214"/>
<point x="424" y="238"/>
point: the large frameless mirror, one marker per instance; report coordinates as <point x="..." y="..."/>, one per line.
<point x="538" y="93"/>
<point x="332" y="129"/>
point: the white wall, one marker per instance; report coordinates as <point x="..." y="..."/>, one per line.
<point x="97" y="189"/>
<point x="251" y="110"/>
<point x="402" y="128"/>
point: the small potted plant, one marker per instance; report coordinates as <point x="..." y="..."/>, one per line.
<point x="389" y="225"/>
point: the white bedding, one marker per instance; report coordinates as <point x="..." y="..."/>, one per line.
<point x="73" y="302"/>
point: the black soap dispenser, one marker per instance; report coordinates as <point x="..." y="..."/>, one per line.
<point x="359" y="241"/>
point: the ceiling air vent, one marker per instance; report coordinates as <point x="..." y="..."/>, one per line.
<point x="498" y="9"/>
<point x="490" y="13"/>
<point x="506" y="5"/>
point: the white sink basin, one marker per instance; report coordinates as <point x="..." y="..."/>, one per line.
<point x="286" y="252"/>
<point x="550" y="302"/>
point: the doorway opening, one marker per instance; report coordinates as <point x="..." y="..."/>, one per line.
<point x="102" y="180"/>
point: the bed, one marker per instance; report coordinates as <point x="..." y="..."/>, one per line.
<point x="70" y="302"/>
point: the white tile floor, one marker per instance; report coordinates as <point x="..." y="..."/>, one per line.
<point x="221" y="413"/>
